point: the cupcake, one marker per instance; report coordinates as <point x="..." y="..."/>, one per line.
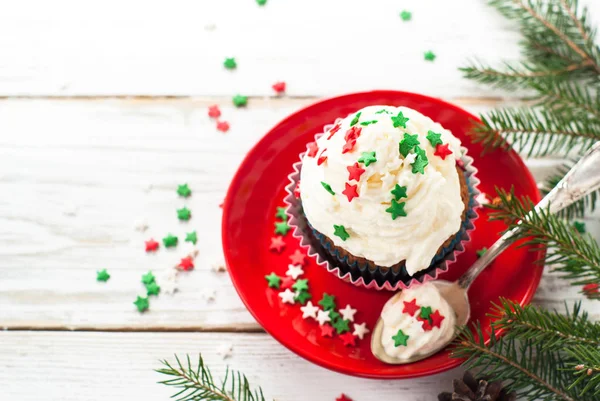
<point x="387" y="194"/>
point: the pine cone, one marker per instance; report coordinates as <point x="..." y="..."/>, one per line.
<point x="471" y="389"/>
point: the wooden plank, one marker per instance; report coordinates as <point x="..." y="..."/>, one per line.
<point x="318" y="47"/>
<point x="120" y="366"/>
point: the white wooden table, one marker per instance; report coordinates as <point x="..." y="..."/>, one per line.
<point x="104" y="111"/>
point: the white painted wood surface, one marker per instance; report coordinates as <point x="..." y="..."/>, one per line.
<point x="78" y="174"/>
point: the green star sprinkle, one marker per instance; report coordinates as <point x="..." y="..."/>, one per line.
<point x="327" y="188"/>
<point x="300" y="285"/>
<point x="191" y="237"/>
<point x="420" y="161"/>
<point x="184" y="213"/>
<point x="399" y="192"/>
<point x="355" y="119"/>
<point x="382" y="111"/>
<point x="407" y="143"/>
<point x="406" y="15"/>
<point x="399" y="120"/>
<point x="327" y="302"/>
<point x="365" y="123"/>
<point x="184" y="190"/>
<point x="341" y="326"/>
<point x="230" y="63"/>
<point x="333" y="315"/>
<point x="152" y="289"/>
<point x="102" y="275"/>
<point x="429" y="55"/>
<point x="281" y="213"/>
<point x="341" y="232"/>
<point x="396" y="210"/>
<point x="240" y="101"/>
<point x="274" y="281"/>
<point x="425" y="312"/>
<point x="367" y="158"/>
<point x="481" y="252"/>
<point x="400" y="339"/>
<point x="141" y="304"/>
<point x="433" y="138"/>
<point x="148" y="278"/>
<point x="282" y="228"/>
<point x="302" y="297"/>
<point x="170" y="241"/>
<point x="579" y="226"/>
<point x="261" y="2"/>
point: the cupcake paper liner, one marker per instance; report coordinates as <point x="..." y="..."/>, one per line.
<point x="363" y="275"/>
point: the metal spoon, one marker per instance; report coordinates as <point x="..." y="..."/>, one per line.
<point x="581" y="180"/>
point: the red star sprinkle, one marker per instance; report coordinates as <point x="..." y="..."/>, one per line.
<point x="214" y="112"/>
<point x="297" y="190"/>
<point x="411" y="307"/>
<point x="151" y="245"/>
<point x="442" y="151"/>
<point x="287" y="282"/>
<point x="591" y="288"/>
<point x="313" y="148"/>
<point x="327" y="330"/>
<point x="351" y="191"/>
<point x="348" y="146"/>
<point x="426" y="324"/>
<point x="223" y="126"/>
<point x="332" y="131"/>
<point x="353" y="133"/>
<point x="343" y="397"/>
<point x="348" y="339"/>
<point x="277" y="244"/>
<point x="187" y="263"/>
<point x="436" y="319"/>
<point x="298" y="258"/>
<point x="279" y="87"/>
<point x="355" y="172"/>
<point x="322" y="159"/>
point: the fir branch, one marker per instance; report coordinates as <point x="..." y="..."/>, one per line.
<point x="587" y="369"/>
<point x="197" y="383"/>
<point x="569" y="100"/>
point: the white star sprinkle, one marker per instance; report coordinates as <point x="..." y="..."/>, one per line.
<point x="410" y="158"/>
<point x="209" y="294"/>
<point x="218" y="266"/>
<point x="323" y="317"/>
<point x="168" y="282"/>
<point x="309" y="310"/>
<point x="287" y="296"/>
<point x="348" y="313"/>
<point x="360" y="330"/>
<point x="294" y="271"/>
<point x="225" y="350"/>
<point x="482" y="199"/>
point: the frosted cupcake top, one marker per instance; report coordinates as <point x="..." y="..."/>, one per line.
<point x="382" y="184"/>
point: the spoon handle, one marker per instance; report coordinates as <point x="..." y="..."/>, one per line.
<point x="582" y="179"/>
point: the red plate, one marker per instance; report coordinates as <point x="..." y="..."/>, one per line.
<point x="248" y="225"/>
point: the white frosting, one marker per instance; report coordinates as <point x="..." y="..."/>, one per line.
<point x="420" y="342"/>
<point x="434" y="206"/>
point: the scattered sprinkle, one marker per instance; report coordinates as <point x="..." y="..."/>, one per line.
<point x="273" y="280"/>
<point x="355" y="172"/>
<point x="436" y="319"/>
<point x="281" y="214"/>
<point x="277" y="244"/>
<point x="282" y="227"/>
<point x="360" y="330"/>
<point x="327" y="187"/>
<point x="152" y="289"/>
<point x="184" y="213"/>
<point x="223" y="126"/>
<point x="191" y="237"/>
<point x="341" y="326"/>
<point x="323" y="317"/>
<point x="261" y="2"/>
<point x="429" y="55"/>
<point x="481" y="252"/>
<point x="294" y="271"/>
<point x="425" y="312"/>
<point x="434" y="138"/>
<point x="186" y="264"/>
<point x="230" y="63"/>
<point x="326" y="330"/>
<point x="309" y="310"/>
<point x="348" y="313"/>
<point x="406" y="15"/>
<point x="287" y="296"/>
<point x="407" y="143"/>
<point x="148" y="278"/>
<point x="302" y="297"/>
<point x="351" y="191"/>
<point x="348" y="339"/>
<point x="421" y="161"/>
<point x="141" y="304"/>
<point x="367" y="158"/>
<point x="102" y="275"/>
<point x="400" y="339"/>
<point x="225" y="351"/>
<point x="396" y="209"/>
<point x="151" y="245"/>
<point x="355" y="119"/>
<point x="170" y="241"/>
<point x="300" y="285"/>
<point x="214" y="111"/>
<point x="341" y="232"/>
<point x="298" y="258"/>
<point x="240" y="101"/>
<point x="184" y="190"/>
<point x="399" y="120"/>
<point x="327" y="302"/>
<point x="279" y="87"/>
<point x="399" y="192"/>
<point x="313" y="148"/>
<point x="442" y="151"/>
<point x="411" y="307"/>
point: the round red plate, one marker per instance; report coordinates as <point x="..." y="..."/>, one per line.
<point x="248" y="225"/>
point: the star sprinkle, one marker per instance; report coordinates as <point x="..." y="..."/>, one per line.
<point x="351" y="137"/>
<point x="426" y="324"/>
<point x="436" y="319"/>
<point x="332" y="131"/>
<point x="425" y="312"/>
<point x="169" y="282"/>
<point x="355" y="119"/>
<point x="301" y="285"/>
<point x="326" y="330"/>
<point x="348" y="339"/>
<point x="579" y="226"/>
<point x="481" y="252"/>
<point x="261" y="2"/>
<point x="280" y="214"/>
<point x="230" y="63"/>
<point x="399" y="192"/>
<point x="184" y="214"/>
<point x="355" y="172"/>
<point x="277" y="244"/>
<point x="327" y="302"/>
<point x="341" y="326"/>
<point x="298" y="258"/>
<point x="322" y="159"/>
<point x="214" y="111"/>
<point x="323" y="317"/>
<point x="360" y="330"/>
<point x="313" y="149"/>
<point x="141" y="304"/>
<point x="148" y="278"/>
<point x="420" y="161"/>
<point x="184" y="190"/>
<point x="442" y="151"/>
<point x="240" y="101"/>
<point x="191" y="237"/>
<point x="351" y="191"/>
<point x="406" y="15"/>
<point x="367" y="158"/>
<point x="287" y="282"/>
<point x="102" y="275"/>
<point x="400" y="339"/>
<point x="333" y="315"/>
<point x="279" y="87"/>
<point x="407" y="143"/>
<point x="396" y="209"/>
<point x="340" y="231"/>
<point x="225" y="351"/>
<point x="411" y="307"/>
<point x="429" y="55"/>
<point x="302" y="296"/>
<point x="327" y="187"/>
<point x="294" y="271"/>
<point x="482" y="199"/>
<point x="410" y="159"/>
<point x="309" y="310"/>
<point x="287" y="296"/>
<point x="152" y="289"/>
<point x="434" y="138"/>
<point x="399" y="120"/>
<point x="343" y="397"/>
<point x="223" y="126"/>
<point x="348" y="313"/>
<point x="170" y="241"/>
<point x="282" y="227"/>
<point x="186" y="264"/>
<point x="273" y="280"/>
